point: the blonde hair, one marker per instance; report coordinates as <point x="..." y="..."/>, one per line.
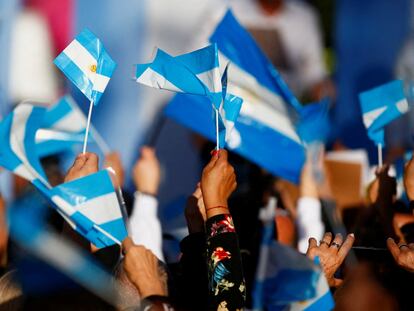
<point x="11" y="294"/>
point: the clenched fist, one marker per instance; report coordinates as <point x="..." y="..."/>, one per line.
<point x="218" y="181"/>
<point x="85" y="164"/>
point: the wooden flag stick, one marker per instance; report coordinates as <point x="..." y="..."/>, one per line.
<point x="88" y="123"/>
<point x="379" y="155"/>
<point x="217" y="130"/>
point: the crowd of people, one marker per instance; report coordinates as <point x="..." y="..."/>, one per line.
<point x="218" y="257"/>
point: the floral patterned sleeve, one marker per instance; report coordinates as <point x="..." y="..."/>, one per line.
<point x="226" y="282"/>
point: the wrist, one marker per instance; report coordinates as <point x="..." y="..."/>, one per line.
<point x="155" y="289"/>
<point x="215" y="210"/>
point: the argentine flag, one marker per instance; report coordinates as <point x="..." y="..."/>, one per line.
<point x="87" y="64"/>
<point x="380" y="106"/>
<point x="265" y="129"/>
<point x="193" y="73"/>
<point x="17" y="144"/>
<point x="63" y="127"/>
<point x="90" y="204"/>
<point x="196" y="73"/>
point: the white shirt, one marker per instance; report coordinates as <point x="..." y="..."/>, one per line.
<point x="144" y="225"/>
<point x="309" y="221"/>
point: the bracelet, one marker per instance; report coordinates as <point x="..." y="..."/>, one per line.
<point x="214" y="207"/>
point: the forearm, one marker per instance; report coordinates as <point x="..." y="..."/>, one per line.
<point x="309" y="221"/>
<point x="226" y="281"/>
<point x="144" y="225"/>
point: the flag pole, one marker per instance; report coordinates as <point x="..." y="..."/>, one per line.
<point x="379" y="155"/>
<point x="88" y="123"/>
<point x="217" y="130"/>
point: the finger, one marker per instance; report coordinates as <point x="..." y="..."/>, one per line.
<point x="147" y="152"/>
<point x="92" y="160"/>
<point x="337" y="242"/>
<point x="79" y="161"/>
<point x="127" y="244"/>
<point x="337" y="282"/>
<point x="197" y="192"/>
<point x="403" y="247"/>
<point x="326" y="240"/>
<point x="213" y="160"/>
<point x="346" y="246"/>
<point x="312" y="243"/>
<point x="393" y="247"/>
<point x="223" y="156"/>
<point x="411" y="246"/>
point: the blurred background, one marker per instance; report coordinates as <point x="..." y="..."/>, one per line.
<point x="321" y="47"/>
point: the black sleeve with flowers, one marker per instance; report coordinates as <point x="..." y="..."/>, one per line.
<point x="225" y="274"/>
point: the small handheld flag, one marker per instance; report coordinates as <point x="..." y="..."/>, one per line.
<point x="87" y="65"/>
<point x="196" y="73"/>
<point x="379" y="107"/>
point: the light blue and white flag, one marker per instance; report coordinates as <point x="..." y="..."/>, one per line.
<point x="265" y="130"/>
<point x="17" y="144"/>
<point x="90" y="204"/>
<point x="382" y="105"/>
<point x="87" y="64"/>
<point x="64" y="127"/>
<point x="193" y="73"/>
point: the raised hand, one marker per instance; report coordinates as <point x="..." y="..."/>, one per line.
<point x="141" y="267"/>
<point x="147" y="172"/>
<point x="331" y="253"/>
<point x="409" y="178"/>
<point x="85" y="164"/>
<point x="218" y="181"/>
<point x="113" y="160"/>
<point x="195" y="211"/>
<point x="403" y="254"/>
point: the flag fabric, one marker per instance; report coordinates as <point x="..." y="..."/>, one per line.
<point x="382" y="105"/>
<point x="265" y="130"/>
<point x="196" y="73"/>
<point x="63" y="127"/>
<point x="313" y="125"/>
<point x="17" y="144"/>
<point x="193" y="73"/>
<point x="87" y="65"/>
<point x="90" y="204"/>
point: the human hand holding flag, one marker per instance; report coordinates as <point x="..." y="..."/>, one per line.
<point x="87" y="65"/>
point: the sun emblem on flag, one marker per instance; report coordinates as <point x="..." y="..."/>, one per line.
<point x="93" y="68"/>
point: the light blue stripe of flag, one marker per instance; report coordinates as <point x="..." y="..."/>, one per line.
<point x="196" y="73"/>
<point x="17" y="142"/>
<point x="240" y="48"/>
<point x="95" y="202"/>
<point x="314" y="123"/>
<point x="87" y="65"/>
<point x="382" y="105"/>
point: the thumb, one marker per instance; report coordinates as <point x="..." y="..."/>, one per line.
<point x="337" y="282"/>
<point x="223" y="156"/>
<point x="127" y="244"/>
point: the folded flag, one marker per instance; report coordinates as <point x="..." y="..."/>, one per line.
<point x="193" y="73"/>
<point x="91" y="206"/>
<point x="265" y="129"/>
<point x="382" y="105"/>
<point x="87" y="64"/>
<point x="17" y="144"/>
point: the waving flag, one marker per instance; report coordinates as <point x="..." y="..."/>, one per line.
<point x="87" y="64"/>
<point x="64" y="126"/>
<point x="313" y="125"/>
<point x="17" y="143"/>
<point x="265" y="129"/>
<point x="91" y="205"/>
<point x="193" y="73"/>
<point x="382" y="105"/>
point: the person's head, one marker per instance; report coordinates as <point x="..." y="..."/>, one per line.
<point x="270" y="6"/>
<point x="11" y="294"/>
